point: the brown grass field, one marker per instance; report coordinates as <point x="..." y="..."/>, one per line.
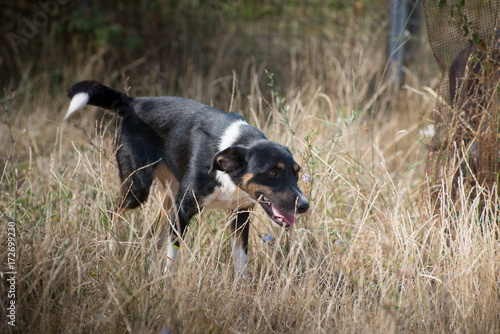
<point x="371" y="255"/>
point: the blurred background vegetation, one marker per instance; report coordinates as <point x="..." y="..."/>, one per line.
<point x="44" y="38"/>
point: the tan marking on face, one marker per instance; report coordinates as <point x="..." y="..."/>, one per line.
<point x="296" y="168"/>
<point x="280" y="166"/>
<point x="245" y="179"/>
<point x="253" y="189"/>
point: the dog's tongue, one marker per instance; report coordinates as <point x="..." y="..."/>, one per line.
<point x="287" y="217"/>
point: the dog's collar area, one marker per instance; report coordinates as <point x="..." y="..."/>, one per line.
<point x="281" y="218"/>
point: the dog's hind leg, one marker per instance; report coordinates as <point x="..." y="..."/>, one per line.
<point x="240" y="227"/>
<point x="135" y="187"/>
<point x="137" y="176"/>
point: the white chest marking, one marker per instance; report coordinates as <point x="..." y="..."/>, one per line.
<point x="228" y="195"/>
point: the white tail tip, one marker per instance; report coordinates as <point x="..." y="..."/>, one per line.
<point x="78" y="101"/>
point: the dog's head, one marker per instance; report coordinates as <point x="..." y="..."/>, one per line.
<point x="267" y="172"/>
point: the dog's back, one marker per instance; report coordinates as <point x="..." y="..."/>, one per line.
<point x="191" y="131"/>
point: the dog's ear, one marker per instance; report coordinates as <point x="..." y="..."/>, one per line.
<point x="229" y="160"/>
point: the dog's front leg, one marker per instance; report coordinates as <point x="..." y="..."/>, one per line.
<point x="240" y="227"/>
<point x="178" y="223"/>
<point x="171" y="256"/>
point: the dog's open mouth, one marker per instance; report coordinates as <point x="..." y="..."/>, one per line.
<point x="278" y="216"/>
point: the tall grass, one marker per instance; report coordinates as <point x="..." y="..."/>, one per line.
<point x="369" y="256"/>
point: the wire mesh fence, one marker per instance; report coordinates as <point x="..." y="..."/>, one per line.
<point x="464" y="37"/>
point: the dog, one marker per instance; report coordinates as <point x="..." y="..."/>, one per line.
<point x="206" y="158"/>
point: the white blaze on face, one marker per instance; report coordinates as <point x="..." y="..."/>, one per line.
<point x="240" y="259"/>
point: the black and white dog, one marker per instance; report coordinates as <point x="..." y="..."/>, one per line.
<point x="205" y="157"/>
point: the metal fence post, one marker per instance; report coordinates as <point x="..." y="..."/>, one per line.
<point x="396" y="47"/>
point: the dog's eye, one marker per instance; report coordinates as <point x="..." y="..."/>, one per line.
<point x="273" y="172"/>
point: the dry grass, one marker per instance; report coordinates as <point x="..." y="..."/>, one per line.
<point x="370" y="256"/>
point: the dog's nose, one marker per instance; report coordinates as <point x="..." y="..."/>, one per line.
<point x="302" y="205"/>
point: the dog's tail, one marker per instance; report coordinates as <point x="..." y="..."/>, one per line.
<point x="96" y="94"/>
